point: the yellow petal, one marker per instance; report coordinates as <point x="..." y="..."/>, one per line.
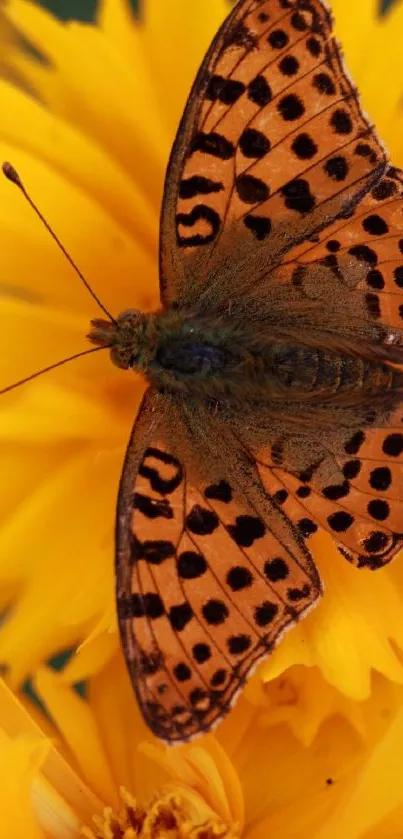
<point x="378" y="789"/>
<point x="80" y="591"/>
<point x="20" y="760"/>
<point x="344" y="639"/>
<point x="69" y="151"/>
<point x="189" y="36"/>
<point x="87" y="63"/>
<point x="77" y="726"/>
<point x="79" y="221"/>
<point x="92" y="655"/>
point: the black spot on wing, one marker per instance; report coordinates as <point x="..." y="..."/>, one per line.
<point x="379" y="509"/>
<point x="289" y="65"/>
<point x="381" y="478"/>
<point x="201" y="653"/>
<point x="265" y="613"/>
<point x="213" y="144"/>
<point x="151" y="507"/>
<point x="298" y="594"/>
<point x="393" y="445"/>
<point x="198" y="185"/>
<point x="254" y="144"/>
<point x="215" y="612"/>
<point x="224" y="90"/>
<point x="182" y="672"/>
<point x="238" y="644"/>
<point x="307" y="527"/>
<point x="201" y="521"/>
<point x="252" y="190"/>
<point x="304" y="146"/>
<point x="180" y="616"/>
<point x="340" y="521"/>
<point x="157" y="482"/>
<point x="240" y="36"/>
<point x="153" y="551"/>
<point x="354" y="444"/>
<point x="341" y="122"/>
<point x="297" y="196"/>
<point x="259" y="91"/>
<point x="276" y="569"/>
<point x="239" y="577"/>
<point x="291" y="107"/>
<point x="199" y="213"/>
<point x="278" y="39"/>
<point x="246" y="530"/>
<point x="260" y="226"/>
<point x="191" y="565"/>
<point x="219" y="492"/>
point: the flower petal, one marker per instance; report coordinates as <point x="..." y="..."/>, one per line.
<point x="80" y="591"/>
<point x="20" y="760"/>
<point x="378" y="789"/>
<point x="75" y="155"/>
<point x="189" y="38"/>
<point x="75" y="216"/>
<point x="77" y="726"/>
<point x="85" y="62"/>
<point x="344" y="640"/>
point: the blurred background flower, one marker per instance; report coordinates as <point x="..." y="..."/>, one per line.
<point x="88" y="115"/>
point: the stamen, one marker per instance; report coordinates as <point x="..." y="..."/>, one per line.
<point x="166" y="816"/>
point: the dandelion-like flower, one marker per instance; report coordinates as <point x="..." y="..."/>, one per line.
<point x="318" y="733"/>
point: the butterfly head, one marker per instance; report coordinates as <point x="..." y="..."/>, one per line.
<point x="121" y="335"/>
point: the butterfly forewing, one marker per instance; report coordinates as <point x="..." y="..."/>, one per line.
<point x="272" y="147"/>
<point x="210" y="576"/>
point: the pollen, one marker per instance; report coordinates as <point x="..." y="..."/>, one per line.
<point x="164" y="818"/>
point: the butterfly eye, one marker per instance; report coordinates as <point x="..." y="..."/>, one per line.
<point x="122" y="356"/>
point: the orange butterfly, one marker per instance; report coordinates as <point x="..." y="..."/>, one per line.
<point x="273" y="405"/>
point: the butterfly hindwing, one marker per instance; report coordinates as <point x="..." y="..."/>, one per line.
<point x="365" y="255"/>
<point x="209" y="577"/>
<point x="272" y="146"/>
<point x="349" y="485"/>
<point x="357" y="263"/>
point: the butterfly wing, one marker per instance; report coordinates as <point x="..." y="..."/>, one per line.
<point x="209" y="574"/>
<point x="349" y="488"/>
<point x="272" y="147"/>
<point x="361" y="259"/>
<point x="365" y="256"/>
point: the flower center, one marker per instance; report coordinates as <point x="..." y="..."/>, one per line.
<point x="165" y="818"/>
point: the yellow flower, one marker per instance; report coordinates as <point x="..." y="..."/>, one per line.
<point x="319" y="731"/>
<point x="90" y="764"/>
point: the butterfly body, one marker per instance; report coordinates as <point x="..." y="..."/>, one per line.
<point x="229" y="361"/>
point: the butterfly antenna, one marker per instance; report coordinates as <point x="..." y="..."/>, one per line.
<point x="51" y="367"/>
<point x="13" y="176"/>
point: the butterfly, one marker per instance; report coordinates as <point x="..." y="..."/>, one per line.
<point x="274" y="398"/>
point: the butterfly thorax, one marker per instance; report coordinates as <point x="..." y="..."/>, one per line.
<point x="222" y="358"/>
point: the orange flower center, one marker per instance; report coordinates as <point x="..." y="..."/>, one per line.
<point x="165" y="818"/>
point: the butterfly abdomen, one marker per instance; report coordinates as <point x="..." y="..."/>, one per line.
<point x="325" y="374"/>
